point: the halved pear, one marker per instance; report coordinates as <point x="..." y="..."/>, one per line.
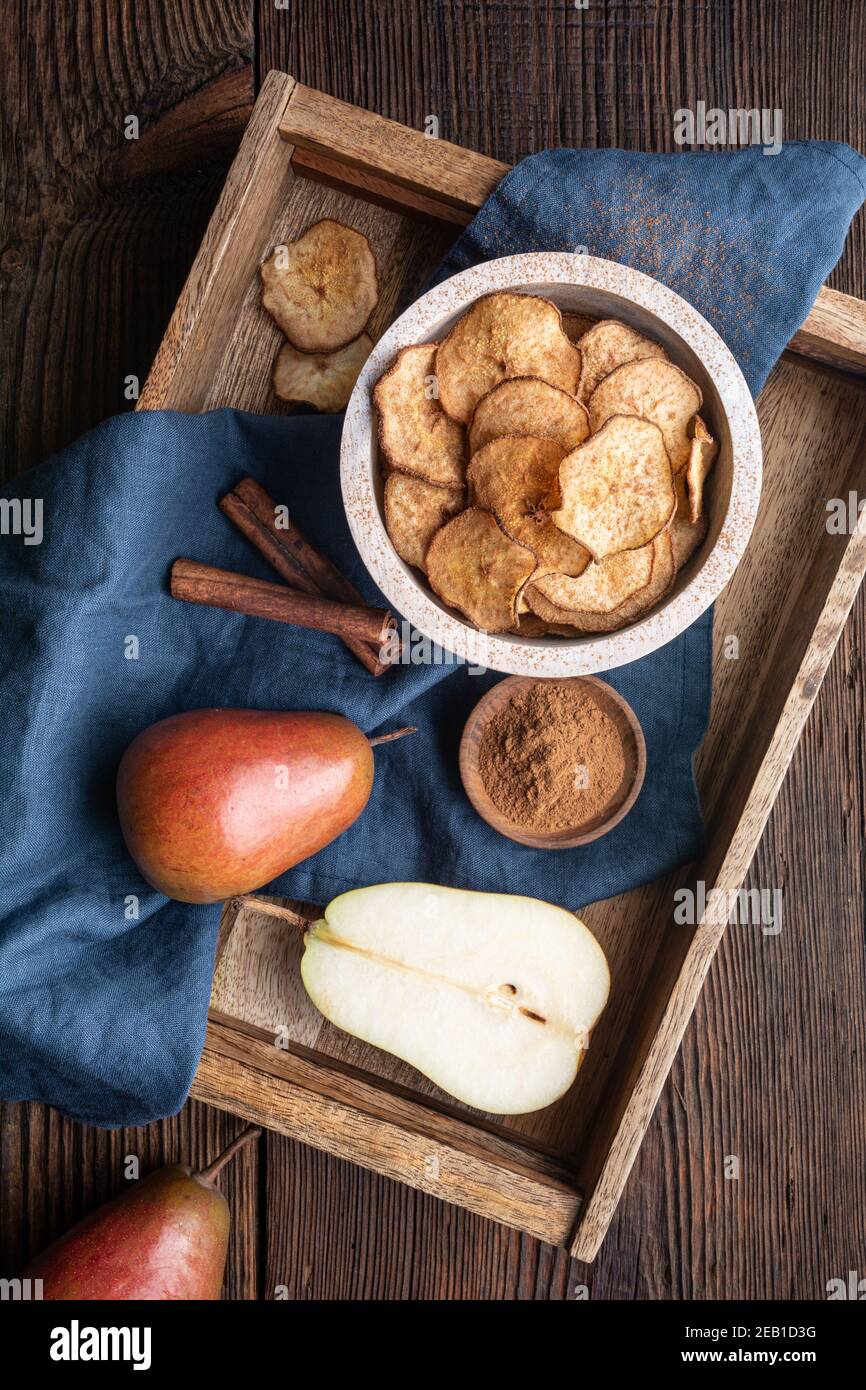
<point x="491" y="996"/>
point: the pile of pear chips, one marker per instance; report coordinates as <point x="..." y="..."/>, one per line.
<point x="545" y="472"/>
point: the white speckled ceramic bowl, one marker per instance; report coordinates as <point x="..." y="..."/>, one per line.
<point x="603" y="289"/>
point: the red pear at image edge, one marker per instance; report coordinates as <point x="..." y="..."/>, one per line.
<point x="219" y="801"/>
<point x="166" y="1237"/>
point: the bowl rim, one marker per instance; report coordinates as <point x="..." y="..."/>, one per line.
<point x="510" y="653"/>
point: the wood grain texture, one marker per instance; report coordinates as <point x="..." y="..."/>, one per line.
<point x="771" y="1065"/>
<point x="506" y="80"/>
<point x="211" y="122"/>
<point x="786" y="608"/>
<point x="348" y="148"/>
<point x="841" y="320"/>
<point x="361" y="139"/>
<point x="252" y="196"/>
<point x="247" y="1075"/>
<point x="54" y="1172"/>
<point x="220" y="344"/>
<point x="89" y="276"/>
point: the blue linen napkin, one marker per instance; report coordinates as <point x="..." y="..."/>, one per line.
<point x="104" y="984"/>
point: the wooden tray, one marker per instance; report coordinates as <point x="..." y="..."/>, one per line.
<point x="269" y="1056"/>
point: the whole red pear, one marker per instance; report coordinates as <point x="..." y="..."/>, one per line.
<point x="166" y="1237"/>
<point x="220" y="801"/>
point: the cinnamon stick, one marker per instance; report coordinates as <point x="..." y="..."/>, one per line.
<point x="270" y="546"/>
<point x="266" y="543"/>
<point x="325" y="573"/>
<point x="258" y="598"/>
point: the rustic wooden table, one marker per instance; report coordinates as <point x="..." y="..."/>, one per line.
<point x="99" y="233"/>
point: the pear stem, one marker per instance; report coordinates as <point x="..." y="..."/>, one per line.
<point x="394" y="734"/>
<point x="246" y="1137"/>
<point x="257" y="904"/>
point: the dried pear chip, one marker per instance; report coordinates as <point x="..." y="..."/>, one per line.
<point x="414" y="512"/>
<point x="655" y="390"/>
<point x="602" y="587"/>
<point x="607" y="346"/>
<point x="322" y="288"/>
<point x="529" y="625"/>
<point x="415" y="434"/>
<point x="663" y="575"/>
<point x="617" y="488"/>
<point x="525" y="405"/>
<point x="702" y="455"/>
<point x="473" y="566"/>
<point x="661" y="581"/>
<point x="322" y="379"/>
<point x="517" y="478"/>
<point x="541" y="607"/>
<point x="503" y="335"/>
<point x="686" y="535"/>
<point x="576" y="325"/>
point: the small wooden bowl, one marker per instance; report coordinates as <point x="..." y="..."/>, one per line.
<point x="621" y="802"/>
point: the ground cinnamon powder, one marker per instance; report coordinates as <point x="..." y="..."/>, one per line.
<point x="552" y="757"/>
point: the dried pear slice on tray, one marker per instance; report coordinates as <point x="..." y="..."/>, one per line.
<point x="617" y="488"/>
<point x="517" y="478"/>
<point x="322" y="379"/>
<point x="608" y="345"/>
<point x="526" y="405"/>
<point x="414" y="512"/>
<point x="322" y="288"/>
<point x="655" y="390"/>
<point x="473" y="566"/>
<point x="415" y="434"/>
<point x="503" y="335"/>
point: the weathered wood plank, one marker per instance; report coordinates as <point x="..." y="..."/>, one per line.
<point x="98" y="234"/>
<point x="248" y="1076"/>
<point x="402" y="167"/>
<point x="55" y="1171"/>
<point x="91" y="264"/>
<point x="507" y="83"/>
<point x="770" y="1068"/>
